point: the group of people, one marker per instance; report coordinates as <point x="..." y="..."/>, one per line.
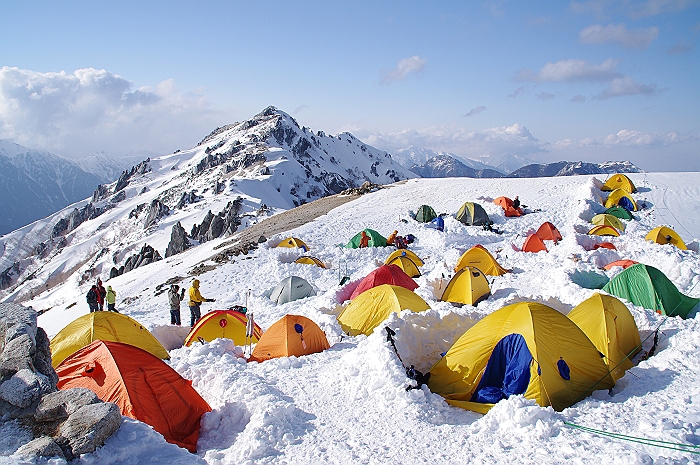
<point x="176" y="296"/>
<point x="98" y="295"/>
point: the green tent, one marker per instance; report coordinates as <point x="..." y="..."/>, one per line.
<point x="291" y="289"/>
<point x="619" y="212"/>
<point x="472" y="214"/>
<point x="648" y="287"/>
<point x="425" y="214"/>
<point x="375" y="240"/>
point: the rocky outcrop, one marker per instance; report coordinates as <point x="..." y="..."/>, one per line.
<point x="76" y="218"/>
<point x="223" y="224"/>
<point x="156" y="210"/>
<point x="178" y="241"/>
<point x="146" y="255"/>
<point x="61" y="424"/>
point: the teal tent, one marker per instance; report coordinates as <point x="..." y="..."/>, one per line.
<point x="648" y="287"/>
<point x="375" y="240"/>
<point x="619" y="212"/>
<point x="425" y="214"/>
<point x="291" y="289"/>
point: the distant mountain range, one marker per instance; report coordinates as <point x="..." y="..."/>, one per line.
<point x="445" y="166"/>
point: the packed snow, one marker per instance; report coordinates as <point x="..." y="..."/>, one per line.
<point x="349" y="404"/>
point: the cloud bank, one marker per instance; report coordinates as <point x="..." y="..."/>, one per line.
<point x="404" y="68"/>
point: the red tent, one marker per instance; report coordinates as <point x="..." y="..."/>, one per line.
<point x="548" y="232"/>
<point x="507" y="205"/>
<point x="533" y="244"/>
<point x="605" y="245"/>
<point x="623" y="263"/>
<point x="385" y="274"/>
<point x="143" y="386"/>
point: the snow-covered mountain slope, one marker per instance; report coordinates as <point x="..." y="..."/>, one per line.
<point x="108" y="168"/>
<point x="349" y="404"/>
<point x="445" y="166"/>
<point x="412" y="156"/>
<point x="257" y="167"/>
<point x="565" y="168"/>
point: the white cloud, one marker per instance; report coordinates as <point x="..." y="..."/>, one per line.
<point x="405" y="67"/>
<point x="578" y="98"/>
<point x="476" y="110"/>
<point x="93" y="110"/>
<point x="628" y="138"/>
<point x="518" y="91"/>
<point x="628" y="38"/>
<point x="571" y="71"/>
<point x="626" y="86"/>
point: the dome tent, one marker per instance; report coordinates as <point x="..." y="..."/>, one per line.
<point x="548" y="232"/>
<point x="623" y="263"/>
<point x="308" y="260"/>
<point x="507" y="205"/>
<point x="606" y="219"/>
<point x="293" y="242"/>
<point x="472" y="214"/>
<point x="619" y="212"/>
<point x="468" y="286"/>
<point x="524" y="348"/>
<point x="406" y="264"/>
<point x="619" y="181"/>
<point x="407" y="253"/>
<point x="621" y="198"/>
<point x="533" y="243"/>
<point x="480" y="258"/>
<point x="292" y="335"/>
<point x="226" y="324"/>
<point x="290" y="289"/>
<point x="425" y="214"/>
<point x="603" y="230"/>
<point x="375" y="239"/>
<point x="665" y="235"/>
<point x="385" y="274"/>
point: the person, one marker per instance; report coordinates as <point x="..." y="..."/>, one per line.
<point x="392" y="236"/>
<point x="91" y="298"/>
<point x="364" y="240"/>
<point x="175" y="296"/>
<point x="516" y="202"/>
<point x="111" y="298"/>
<point x="196" y="300"/>
<point x="439" y="222"/>
<point x="101" y="292"/>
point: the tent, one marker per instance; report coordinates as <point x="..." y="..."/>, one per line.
<point x="623" y="263"/>
<point x="293" y="242"/>
<point x="648" y="287"/>
<point x="369" y="309"/>
<point x="144" y="387"/>
<point x="524" y="348"/>
<point x="425" y="214"/>
<point x="548" y="232"/>
<point x="621" y="198"/>
<point x="619" y="181"/>
<point x="534" y="244"/>
<point x="107" y="326"/>
<point x="507" y="205"/>
<point x="292" y="335"/>
<point x="605" y="245"/>
<point x="605" y="219"/>
<point x="468" y="286"/>
<point x="404" y="252"/>
<point x="611" y="328"/>
<point x="666" y="235"/>
<point x="307" y="260"/>
<point x="406" y="264"/>
<point x="375" y="239"/>
<point x="226" y="324"/>
<point x="619" y="212"/>
<point x="480" y="258"/>
<point x="291" y="289"/>
<point x="603" y="230"/>
<point x="385" y="274"/>
<point x="472" y="214"/>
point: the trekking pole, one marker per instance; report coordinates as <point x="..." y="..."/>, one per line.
<point x="249" y="328"/>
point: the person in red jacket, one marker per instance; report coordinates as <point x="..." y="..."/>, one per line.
<point x="101" y="293"/>
<point x="364" y="240"/>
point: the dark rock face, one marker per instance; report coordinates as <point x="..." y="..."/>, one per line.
<point x="146" y="255"/>
<point x="222" y="224"/>
<point x="103" y="190"/>
<point x="178" y="241"/>
<point x="63" y="423"/>
<point x="78" y="217"/>
<point x="156" y="210"/>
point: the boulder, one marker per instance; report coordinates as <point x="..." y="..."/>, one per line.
<point x="178" y="241"/>
<point x="43" y="446"/>
<point x="88" y="428"/>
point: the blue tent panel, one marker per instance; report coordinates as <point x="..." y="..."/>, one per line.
<point x="625" y="203"/>
<point x="507" y="372"/>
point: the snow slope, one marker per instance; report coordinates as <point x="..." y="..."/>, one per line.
<point x="349" y="404"/>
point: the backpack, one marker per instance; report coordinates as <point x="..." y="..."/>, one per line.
<point x="91" y="296"/>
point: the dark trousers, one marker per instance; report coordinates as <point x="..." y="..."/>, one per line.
<point x="112" y="308"/>
<point x="175" y="316"/>
<point x="94" y="306"/>
<point x="195" y="314"/>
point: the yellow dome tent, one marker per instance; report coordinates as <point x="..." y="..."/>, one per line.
<point x="293" y="242"/>
<point x="467" y="286"/>
<point x="615" y="198"/>
<point x="547" y="358"/>
<point x="666" y="235"/>
<point x="407" y="253"/>
<point x="222" y="324"/>
<point x="603" y="230"/>
<point x="369" y="309"/>
<point x="291" y="335"/>
<point x="611" y="328"/>
<point x="480" y="258"/>
<point x="606" y="219"/>
<point x="406" y="264"/>
<point x="105" y="326"/>
<point x="619" y="181"/>
<point x="308" y="260"/>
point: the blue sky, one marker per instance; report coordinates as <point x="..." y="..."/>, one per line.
<point x="590" y="80"/>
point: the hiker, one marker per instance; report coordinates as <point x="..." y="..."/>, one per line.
<point x="400" y="242"/>
<point x="175" y="296"/>
<point x="439" y="222"/>
<point x="516" y="202"/>
<point x="392" y="236"/>
<point x="111" y="298"/>
<point x="91" y="298"/>
<point x="101" y="292"/>
<point x="364" y="240"/>
<point x="196" y="300"/>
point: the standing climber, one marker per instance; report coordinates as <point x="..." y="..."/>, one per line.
<point x="364" y="240"/>
<point x="91" y="298"/>
<point x="175" y="296"/>
<point x="111" y="298"/>
<point x="101" y="292"/>
<point x="196" y="300"/>
<point x="516" y="202"/>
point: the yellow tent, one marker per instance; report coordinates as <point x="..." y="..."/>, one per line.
<point x="619" y="181"/>
<point x="611" y="328"/>
<point x="606" y="219"/>
<point x="480" y="258"/>
<point x="603" y="230"/>
<point x="404" y="253"/>
<point x="467" y="286"/>
<point x="293" y="242"/>
<point x="369" y="309"/>
<point x="307" y="260"/>
<point x="406" y="264"/>
<point x="546" y="356"/>
<point x="614" y="199"/>
<point x="105" y="326"/>
<point x="223" y="324"/>
<point x="666" y="235"/>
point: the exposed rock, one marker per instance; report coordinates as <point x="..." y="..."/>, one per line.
<point x="43" y="446"/>
<point x="126" y="176"/>
<point x="188" y="198"/>
<point x="59" y="405"/>
<point x="88" y="428"/>
<point x="156" y="211"/>
<point x="365" y="188"/>
<point x="10" y="275"/>
<point x="178" y="241"/>
<point x="76" y="218"/>
<point x="223" y="224"/>
<point x="146" y="255"/>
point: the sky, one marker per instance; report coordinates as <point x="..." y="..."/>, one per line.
<point x="591" y="80"/>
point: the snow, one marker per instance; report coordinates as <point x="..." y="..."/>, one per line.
<point x="349" y="404"/>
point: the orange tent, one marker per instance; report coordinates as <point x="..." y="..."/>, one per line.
<point x="605" y="245"/>
<point x="507" y="205"/>
<point x="548" y="232"/>
<point x="143" y="386"/>
<point x="534" y="244"/>
<point x="623" y="263"/>
<point x="385" y="274"/>
<point x="291" y="335"/>
<point x="227" y="324"/>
